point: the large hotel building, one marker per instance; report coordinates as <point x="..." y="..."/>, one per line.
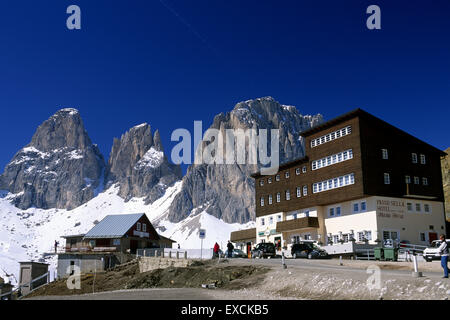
<point x="361" y="179"/>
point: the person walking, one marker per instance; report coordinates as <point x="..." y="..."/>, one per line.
<point x="443" y="250"/>
<point x="56" y="246"/>
<point x="230" y="249"/>
<point x="216" y="250"/>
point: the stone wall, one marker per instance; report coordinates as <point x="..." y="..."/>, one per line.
<point x="152" y="263"/>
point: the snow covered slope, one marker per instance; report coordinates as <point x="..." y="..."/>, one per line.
<point x="27" y="234"/>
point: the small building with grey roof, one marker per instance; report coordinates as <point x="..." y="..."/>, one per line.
<point x="114" y="240"/>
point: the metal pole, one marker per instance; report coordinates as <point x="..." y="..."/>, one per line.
<point x="95" y="272"/>
<point x="340" y="260"/>
<point x="416" y="272"/>
<point x="283" y="262"/>
<point x="201" y="250"/>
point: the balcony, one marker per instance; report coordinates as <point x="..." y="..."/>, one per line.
<point x="295" y="224"/>
<point x="90" y="249"/>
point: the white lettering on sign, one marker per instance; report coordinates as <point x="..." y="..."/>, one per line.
<point x="391" y="209"/>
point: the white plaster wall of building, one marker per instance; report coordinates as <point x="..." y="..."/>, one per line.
<point x="372" y="218"/>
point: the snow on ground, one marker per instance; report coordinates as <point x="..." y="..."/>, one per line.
<point x="186" y="232"/>
<point x="26" y="234"/>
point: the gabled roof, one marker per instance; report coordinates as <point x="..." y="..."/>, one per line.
<point x="114" y="226"/>
<point x="168" y="239"/>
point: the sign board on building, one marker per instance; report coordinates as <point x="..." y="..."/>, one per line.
<point x="390" y="208"/>
<point x="202" y="233"/>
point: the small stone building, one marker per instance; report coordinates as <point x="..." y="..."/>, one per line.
<point x="30" y="271"/>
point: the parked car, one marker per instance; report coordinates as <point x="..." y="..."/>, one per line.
<point x="308" y="250"/>
<point x="238" y="254"/>
<point x="264" y="250"/>
<point x="432" y="253"/>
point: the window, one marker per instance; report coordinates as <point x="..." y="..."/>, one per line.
<point x="390" y="235"/>
<point x="138" y="226"/>
<point x="262" y="222"/>
<point x="286" y="174"/>
<point x="355" y="207"/>
<point x="335" y="238"/>
<point x="418" y="207"/>
<point x="387" y="178"/>
<point x="333" y="159"/>
<point x="422" y="159"/>
<point x="304" y="169"/>
<point x="360" y="236"/>
<point x="345" y="237"/>
<point x="416" y="180"/>
<point x="363" y="206"/>
<point x="271" y="220"/>
<point x="331" y="136"/>
<point x="299" y="192"/>
<point x="307" y="213"/>
<point x="294" y="216"/>
<point x="262" y="201"/>
<point x="288" y="195"/>
<point x="278" y="197"/>
<point x="425" y="181"/>
<point x="116" y="242"/>
<point x="270" y="199"/>
<point x="278" y="218"/>
<point x="261" y="182"/>
<point x="422" y="236"/>
<point x="331" y="212"/>
<point x="369" y="235"/>
<point x="297" y="171"/>
<point x="305" y="190"/>
<point x="332" y="183"/>
<point x="384" y="154"/>
<point x="414" y="157"/>
<point x="269" y="180"/>
<point x="338" y="211"/>
<point x="144" y="227"/>
<point x="277" y="177"/>
<point x="408" y="179"/>
<point x="409" y="206"/>
<point x="426" y="208"/>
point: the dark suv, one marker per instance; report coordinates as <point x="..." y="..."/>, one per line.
<point x="308" y="250"/>
<point x="263" y="250"/>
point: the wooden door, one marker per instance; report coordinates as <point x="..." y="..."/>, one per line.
<point x="133" y="246"/>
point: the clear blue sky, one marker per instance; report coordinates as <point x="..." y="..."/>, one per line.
<point x="172" y="62"/>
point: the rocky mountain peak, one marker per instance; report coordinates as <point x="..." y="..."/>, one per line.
<point x="64" y="129"/>
<point x="59" y="168"/>
<point x="227" y="191"/>
<point x="138" y="164"/>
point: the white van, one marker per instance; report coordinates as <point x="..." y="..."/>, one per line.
<point x="432" y="253"/>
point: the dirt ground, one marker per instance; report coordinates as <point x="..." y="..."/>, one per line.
<point x="221" y="275"/>
<point x="261" y="279"/>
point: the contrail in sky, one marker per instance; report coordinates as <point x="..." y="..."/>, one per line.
<point x="189" y="26"/>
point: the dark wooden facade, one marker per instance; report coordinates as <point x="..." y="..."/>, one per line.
<point x="369" y="135"/>
<point x="132" y="240"/>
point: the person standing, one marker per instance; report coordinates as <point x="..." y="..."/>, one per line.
<point x="56" y="246"/>
<point x="230" y="248"/>
<point x="443" y="250"/>
<point x="216" y="250"/>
